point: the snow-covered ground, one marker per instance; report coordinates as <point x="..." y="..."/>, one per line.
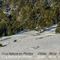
<point x="31" y="45"/>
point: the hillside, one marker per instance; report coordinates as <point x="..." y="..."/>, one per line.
<point x="29" y="29"/>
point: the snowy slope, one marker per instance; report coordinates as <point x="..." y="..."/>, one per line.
<point x="30" y="41"/>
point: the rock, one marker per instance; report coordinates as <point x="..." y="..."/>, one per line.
<point x="15" y="40"/>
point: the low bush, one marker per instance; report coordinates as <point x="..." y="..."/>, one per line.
<point x="58" y="28"/>
<point x="1" y="45"/>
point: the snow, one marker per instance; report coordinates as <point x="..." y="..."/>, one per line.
<point x="28" y="44"/>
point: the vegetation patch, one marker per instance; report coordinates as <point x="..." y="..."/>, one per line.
<point x="17" y="15"/>
<point x="58" y="28"/>
<point x="1" y="45"/>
